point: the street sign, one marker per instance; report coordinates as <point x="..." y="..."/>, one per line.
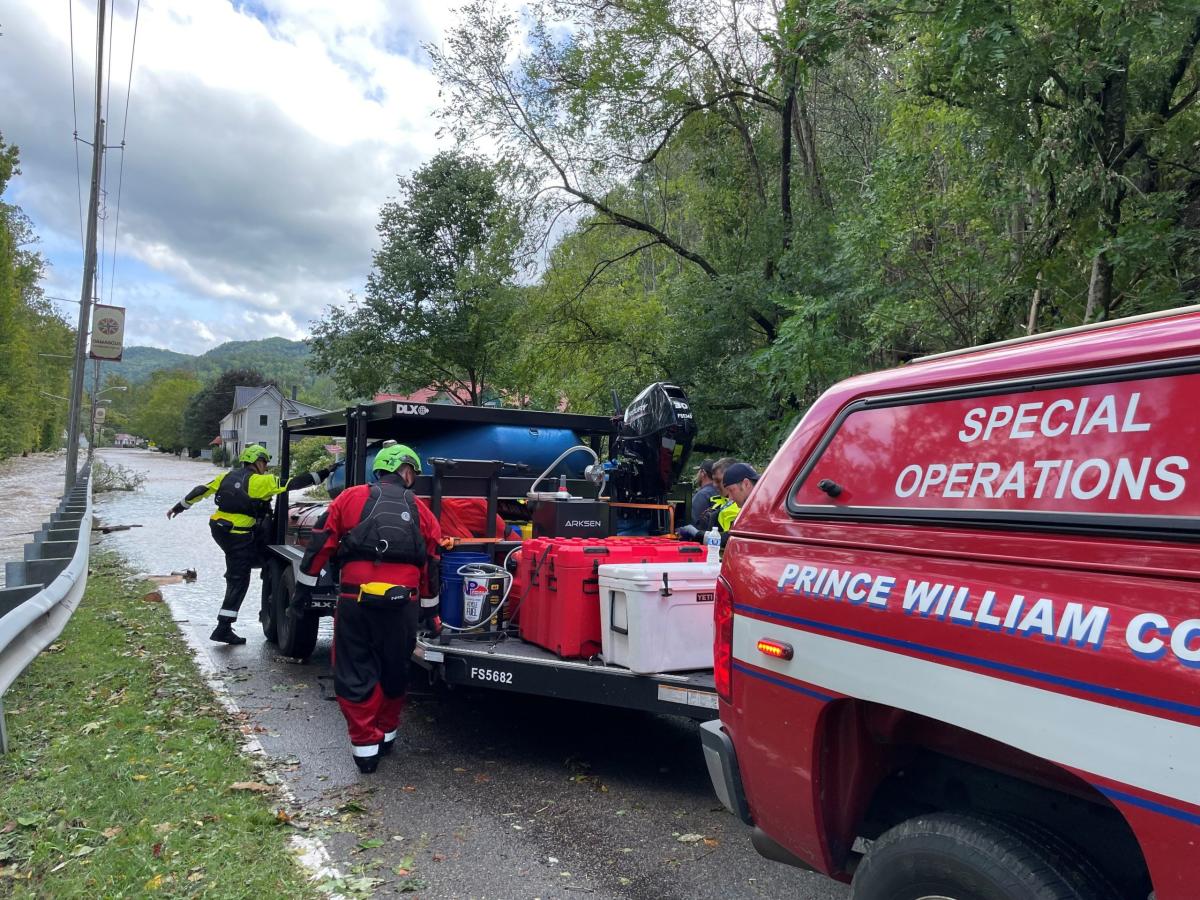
<point x="108" y="333"/>
<point x="99" y="417"/>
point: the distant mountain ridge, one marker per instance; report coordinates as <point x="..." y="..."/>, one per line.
<point x="280" y="360"/>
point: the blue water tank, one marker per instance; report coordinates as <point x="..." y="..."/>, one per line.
<point x="535" y="447"/>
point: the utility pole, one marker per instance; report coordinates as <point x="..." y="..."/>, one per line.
<point x="89" y="262"/>
<point x="95" y="406"/>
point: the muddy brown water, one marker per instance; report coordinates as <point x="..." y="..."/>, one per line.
<point x="30" y="488"/>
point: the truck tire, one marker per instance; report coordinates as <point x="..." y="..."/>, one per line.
<point x="297" y="637"/>
<point x="266" y="612"/>
<point x="950" y="856"/>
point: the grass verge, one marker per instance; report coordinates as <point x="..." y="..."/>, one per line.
<point x="118" y="783"/>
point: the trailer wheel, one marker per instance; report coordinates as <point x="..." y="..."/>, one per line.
<point x="297" y="637"/>
<point x="266" y="612"/>
<point x="949" y="856"/>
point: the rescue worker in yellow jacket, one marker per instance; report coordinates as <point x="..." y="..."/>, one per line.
<point x="243" y="498"/>
<point x="718" y="514"/>
<point x="737" y="483"/>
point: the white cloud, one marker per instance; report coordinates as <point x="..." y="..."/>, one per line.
<point x="262" y="138"/>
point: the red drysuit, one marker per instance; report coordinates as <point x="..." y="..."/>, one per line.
<point x="372" y="644"/>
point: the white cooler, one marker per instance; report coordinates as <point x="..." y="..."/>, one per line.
<point x="658" y="617"/>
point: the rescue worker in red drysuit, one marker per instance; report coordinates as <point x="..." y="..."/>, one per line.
<point x="387" y="544"/>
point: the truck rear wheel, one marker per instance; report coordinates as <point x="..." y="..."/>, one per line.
<point x="949" y="856"/>
<point x="297" y="636"/>
<point x="266" y="612"/>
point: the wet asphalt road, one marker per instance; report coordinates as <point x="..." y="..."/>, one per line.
<point x="489" y="795"/>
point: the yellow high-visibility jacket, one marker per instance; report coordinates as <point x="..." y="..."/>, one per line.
<point x="727" y="515"/>
<point x="260" y="487"/>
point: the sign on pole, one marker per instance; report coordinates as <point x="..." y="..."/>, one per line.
<point x="108" y="333"/>
<point x="99" y="415"/>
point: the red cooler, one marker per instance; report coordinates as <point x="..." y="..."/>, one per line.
<point x="561" y="608"/>
<point x="524" y="603"/>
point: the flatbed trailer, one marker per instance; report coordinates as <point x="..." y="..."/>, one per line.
<point x="501" y="661"/>
<point x="514" y="665"/>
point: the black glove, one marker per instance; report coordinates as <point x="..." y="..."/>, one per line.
<point x="326" y="471"/>
<point x="175" y="510"/>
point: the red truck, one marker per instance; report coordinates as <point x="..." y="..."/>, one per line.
<point x="958" y="626"/>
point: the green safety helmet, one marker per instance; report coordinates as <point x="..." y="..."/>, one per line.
<point x="254" y="453"/>
<point x="390" y="459"/>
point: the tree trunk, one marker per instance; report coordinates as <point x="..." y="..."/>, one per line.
<point x="743" y="130"/>
<point x="1099" y="286"/>
<point x="785" y="159"/>
<point x="1114" y="106"/>
<point x="806" y="143"/>
<point x="1031" y="327"/>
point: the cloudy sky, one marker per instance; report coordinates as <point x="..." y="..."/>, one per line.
<point x="262" y="137"/>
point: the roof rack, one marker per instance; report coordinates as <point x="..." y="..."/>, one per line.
<point x="1077" y="329"/>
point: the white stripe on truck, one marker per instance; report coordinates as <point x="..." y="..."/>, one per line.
<point x="1145" y="751"/>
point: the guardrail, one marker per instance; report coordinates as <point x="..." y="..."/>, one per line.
<point x="42" y="590"/>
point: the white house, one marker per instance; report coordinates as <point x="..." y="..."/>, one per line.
<point x="255" y="418"/>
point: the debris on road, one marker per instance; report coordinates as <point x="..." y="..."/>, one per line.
<point x="177" y="577"/>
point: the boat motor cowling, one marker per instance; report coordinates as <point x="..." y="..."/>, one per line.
<point x="653" y="444"/>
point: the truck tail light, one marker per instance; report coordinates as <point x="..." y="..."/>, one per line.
<point x="723" y="640"/>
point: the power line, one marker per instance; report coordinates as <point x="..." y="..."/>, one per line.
<point x="112" y="278"/>
<point x="112" y="28"/>
<point x="75" y="116"/>
<point x="129" y="82"/>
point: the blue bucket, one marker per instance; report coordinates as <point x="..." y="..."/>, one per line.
<point x="451" y="594"/>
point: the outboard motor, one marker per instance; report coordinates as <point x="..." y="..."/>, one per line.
<point x="653" y="445"/>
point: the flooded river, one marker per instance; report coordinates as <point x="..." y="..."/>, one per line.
<point x="30" y="488"/>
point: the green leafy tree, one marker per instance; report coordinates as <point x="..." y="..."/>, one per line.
<point x="308" y="455"/>
<point x="33" y="339"/>
<point x="440" y="301"/>
<point x="202" y="419"/>
<point x="766" y="197"/>
<point x="1096" y="104"/>
<point x="160" y="417"/>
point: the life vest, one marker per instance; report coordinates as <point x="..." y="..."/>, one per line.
<point x="728" y="515"/>
<point x="233" y="495"/>
<point x="710" y="518"/>
<point x="389" y="529"/>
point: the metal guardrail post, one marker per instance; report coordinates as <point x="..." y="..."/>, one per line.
<point x="14" y="574"/>
<point x="43" y="590"/>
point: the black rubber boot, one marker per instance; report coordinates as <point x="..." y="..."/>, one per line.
<point x="367" y="764"/>
<point x="224" y="634"/>
<point x="386" y="747"/>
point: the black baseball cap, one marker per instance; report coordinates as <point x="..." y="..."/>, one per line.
<point x="739" y="472"/>
<point x="706" y="467"/>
